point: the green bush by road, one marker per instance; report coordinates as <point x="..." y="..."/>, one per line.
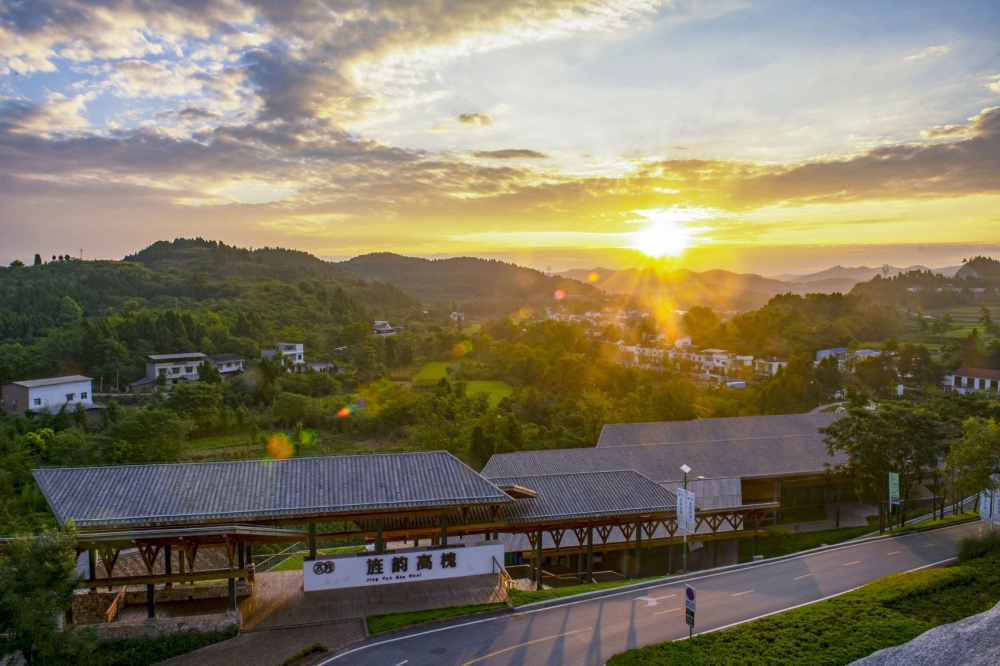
<point x="377" y="623"/>
<point x="888" y="612"/>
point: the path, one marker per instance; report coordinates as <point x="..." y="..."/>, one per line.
<point x="590" y="631"/>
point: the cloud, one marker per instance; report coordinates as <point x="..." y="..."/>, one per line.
<point x="929" y="53"/>
<point x="509" y="154"/>
<point x="476" y="119"/>
<point x="993" y="83"/>
<point x="57" y="114"/>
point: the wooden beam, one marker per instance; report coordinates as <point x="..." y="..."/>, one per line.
<point x="222" y="574"/>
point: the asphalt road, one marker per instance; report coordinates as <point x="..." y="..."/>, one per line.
<point x="589" y="632"/>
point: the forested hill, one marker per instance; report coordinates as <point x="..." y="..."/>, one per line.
<point x="462" y="279"/>
<point x="103" y="317"/>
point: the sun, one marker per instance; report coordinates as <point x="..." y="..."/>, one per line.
<point x="664" y="235"/>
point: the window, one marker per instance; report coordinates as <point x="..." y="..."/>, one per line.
<point x="161" y="371"/>
<point x="36" y="402"/>
<point x="175" y="371"/>
<point x="83" y="396"/>
<point x="70" y="396"/>
<point x="188" y="370"/>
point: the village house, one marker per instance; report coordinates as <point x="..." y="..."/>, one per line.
<point x="966" y="380"/>
<point x="52" y="393"/>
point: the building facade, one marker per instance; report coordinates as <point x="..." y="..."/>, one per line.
<point x="32" y="395"/>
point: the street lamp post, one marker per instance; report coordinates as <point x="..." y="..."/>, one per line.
<point x="684" y="551"/>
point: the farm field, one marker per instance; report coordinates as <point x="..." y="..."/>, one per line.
<point x="497" y="389"/>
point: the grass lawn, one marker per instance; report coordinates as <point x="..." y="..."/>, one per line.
<point x="801" y="514"/>
<point x="888" y="612"/>
<point x="787" y="543"/>
<point x="377" y="623"/>
<point x="294" y="563"/>
<point x="431" y="373"/>
<point x="497" y="389"/>
<point x="216" y="442"/>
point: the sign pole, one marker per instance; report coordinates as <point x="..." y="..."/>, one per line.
<point x="684" y="552"/>
<point x="689" y="606"/>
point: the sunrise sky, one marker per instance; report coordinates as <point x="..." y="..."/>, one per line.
<point x="764" y="137"/>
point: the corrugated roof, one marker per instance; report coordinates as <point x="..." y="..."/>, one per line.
<point x="581" y="495"/>
<point x="185" y="356"/>
<point x="225" y="358"/>
<point x="240" y="491"/>
<point x="51" y="381"/>
<point x="747" y="459"/>
<point x="713" y="430"/>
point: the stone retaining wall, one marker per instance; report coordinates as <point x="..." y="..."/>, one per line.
<point x="128" y="631"/>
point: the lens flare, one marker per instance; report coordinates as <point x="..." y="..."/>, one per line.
<point x="343" y="412"/>
<point x="279" y="448"/>
<point x="559" y="295"/>
<point x="360" y="402"/>
<point x="593" y="277"/>
<point x="664" y="233"/>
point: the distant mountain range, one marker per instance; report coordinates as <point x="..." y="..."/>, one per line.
<point x="725" y="290"/>
<point x="859" y="274"/>
<point x="462" y="279"/>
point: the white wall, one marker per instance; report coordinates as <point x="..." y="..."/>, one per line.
<point x="54" y="396"/>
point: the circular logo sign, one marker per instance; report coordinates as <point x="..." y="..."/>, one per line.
<point x="690" y="594"/>
<point x="325" y="567"/>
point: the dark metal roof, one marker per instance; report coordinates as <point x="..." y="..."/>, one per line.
<point x="256" y="490"/>
<point x="714" y="430"/>
<point x="225" y="358"/>
<point x="978" y="373"/>
<point x="585" y="495"/>
<point x="747" y="459"/>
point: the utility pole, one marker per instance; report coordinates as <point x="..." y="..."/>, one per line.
<point x="684" y="546"/>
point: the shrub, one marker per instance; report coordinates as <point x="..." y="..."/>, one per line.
<point x="981" y="545"/>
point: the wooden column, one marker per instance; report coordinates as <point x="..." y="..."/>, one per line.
<point x="590" y="554"/>
<point x="670" y="559"/>
<point x="168" y="566"/>
<point x="249" y="555"/>
<point x="240" y="556"/>
<point x="538" y="562"/>
<point x="638" y="549"/>
<point x="232" y="594"/>
<point x="754" y="550"/>
<point x="92" y="567"/>
<point x="715" y="553"/>
<point x="496" y="533"/>
<point x="579" y="567"/>
<point x="379" y="546"/>
<point x="312" y="541"/>
<point x="444" y="531"/>
<point x="151" y="602"/>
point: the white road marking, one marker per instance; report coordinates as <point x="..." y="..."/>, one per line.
<point x="653" y="601"/>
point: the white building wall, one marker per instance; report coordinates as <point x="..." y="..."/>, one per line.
<point x="53" y="397"/>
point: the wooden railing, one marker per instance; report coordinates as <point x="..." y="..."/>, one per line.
<point x="506" y="582"/>
<point x="116" y="606"/>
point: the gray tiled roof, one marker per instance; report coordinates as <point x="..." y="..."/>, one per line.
<point x="747" y="459"/>
<point x="241" y="491"/>
<point x="52" y="381"/>
<point x="713" y="430"/>
<point x="589" y="494"/>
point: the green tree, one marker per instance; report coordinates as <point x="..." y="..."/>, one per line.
<point x="976" y="457"/>
<point x="146" y="435"/>
<point x="38" y="260"/>
<point x="198" y="401"/>
<point x="37" y="579"/>
<point x="208" y="373"/>
<point x="986" y="321"/>
<point x="828" y="375"/>
<point x="69" y="312"/>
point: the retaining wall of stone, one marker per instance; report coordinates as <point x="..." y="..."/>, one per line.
<point x="91" y="608"/>
<point x="122" y="631"/>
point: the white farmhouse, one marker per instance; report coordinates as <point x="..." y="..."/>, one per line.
<point x="51" y="393"/>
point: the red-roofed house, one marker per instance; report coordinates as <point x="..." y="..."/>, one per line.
<point x="965" y="380"/>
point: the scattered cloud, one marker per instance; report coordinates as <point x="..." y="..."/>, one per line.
<point x="509" y="154"/>
<point x="476" y="119"/>
<point x="929" y="53"/>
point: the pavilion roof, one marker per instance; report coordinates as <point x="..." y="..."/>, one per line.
<point x="296" y="489"/>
